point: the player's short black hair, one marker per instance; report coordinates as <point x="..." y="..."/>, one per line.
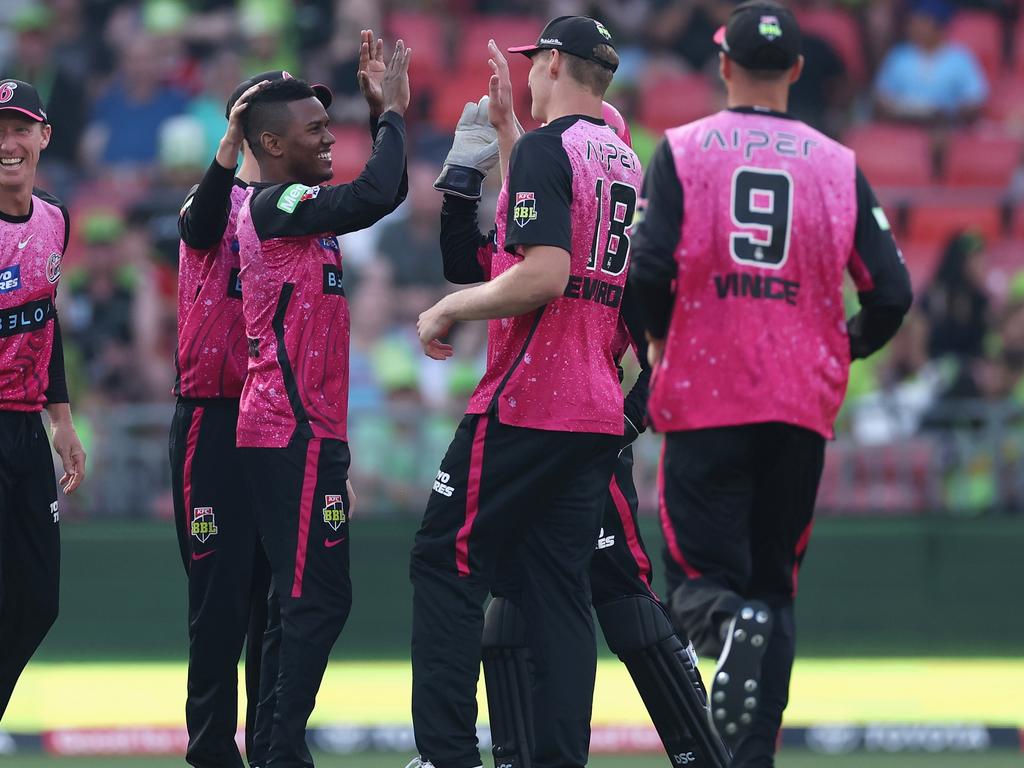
<point x="268" y="109"/>
<point x="590" y="74"/>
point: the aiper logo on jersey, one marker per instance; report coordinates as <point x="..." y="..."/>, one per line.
<point x="10" y="279"/>
<point x="7" y="92"/>
<point x="334" y="511"/>
<point x="53" y="267"/>
<point x="525" y="209"/>
<point x="770" y="28"/>
<point x="295" y="194"/>
<point x="204" y="524"/>
<point x="603" y="30"/>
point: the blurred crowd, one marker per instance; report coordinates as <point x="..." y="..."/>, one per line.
<point x="929" y="92"/>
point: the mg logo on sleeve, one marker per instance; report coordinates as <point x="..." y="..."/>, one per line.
<point x="204" y="524"/>
<point x="334" y="511"/>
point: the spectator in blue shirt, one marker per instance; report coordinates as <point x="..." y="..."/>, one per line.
<point x="928" y="78"/>
<point x="128" y="114"/>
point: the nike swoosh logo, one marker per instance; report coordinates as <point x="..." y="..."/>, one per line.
<point x="329" y="543"/>
<point x="22" y="244"/>
<point x="205" y="554"/>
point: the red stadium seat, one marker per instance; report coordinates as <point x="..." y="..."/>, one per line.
<point x="981" y="32"/>
<point x="975" y="159"/>
<point x="935" y="224"/>
<point x="506" y="31"/>
<point x="841" y="30"/>
<point x="671" y="99"/>
<point x="892" y="155"/>
<point x="450" y="100"/>
<point x="1005" y="104"/>
<point x="350" y="151"/>
<point x="922" y="261"/>
<point x="425" y="34"/>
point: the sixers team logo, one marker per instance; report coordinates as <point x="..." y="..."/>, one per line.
<point x="204" y="524"/>
<point x="7" y="91"/>
<point x="334" y="511"/>
<point x="53" y="267"/>
<point x="525" y="209"/>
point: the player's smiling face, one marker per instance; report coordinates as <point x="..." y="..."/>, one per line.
<point x="22" y="139"/>
<point x="307" y="143"/>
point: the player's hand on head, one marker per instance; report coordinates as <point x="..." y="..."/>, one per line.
<point x="395" y="84"/>
<point x="227" y="152"/>
<point x="372" y="69"/>
<point x="432" y="326"/>
<point x="473" y="154"/>
<point x="500" y="107"/>
<point x="72" y="456"/>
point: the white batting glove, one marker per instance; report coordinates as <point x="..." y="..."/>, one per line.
<point x="473" y="154"/>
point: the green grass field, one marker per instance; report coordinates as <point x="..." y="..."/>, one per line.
<point x="921" y="690"/>
<point x="785" y="760"/>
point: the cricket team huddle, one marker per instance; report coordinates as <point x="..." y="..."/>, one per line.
<point x="720" y="265"/>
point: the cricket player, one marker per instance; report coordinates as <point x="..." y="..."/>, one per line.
<point x="292" y="418"/>
<point x="517" y="503"/>
<point x="228" y="575"/>
<point x="752" y="219"/>
<point x="631" y="616"/>
<point x="34" y="229"/>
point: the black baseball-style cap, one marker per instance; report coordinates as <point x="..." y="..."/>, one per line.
<point x="578" y="35"/>
<point x="761" y="35"/>
<point x="19" y="96"/>
<point x="323" y="93"/>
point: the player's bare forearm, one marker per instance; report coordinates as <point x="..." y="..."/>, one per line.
<point x="541" y="277"/>
<point x="532" y="283"/>
<point x="59" y="413"/>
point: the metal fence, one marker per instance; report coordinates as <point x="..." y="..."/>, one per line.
<point x="963" y="458"/>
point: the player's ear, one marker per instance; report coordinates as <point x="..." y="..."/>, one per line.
<point x="724" y="66"/>
<point x="796" y="70"/>
<point x="270" y="143"/>
<point x="46" y="131"/>
<point x="554" y="64"/>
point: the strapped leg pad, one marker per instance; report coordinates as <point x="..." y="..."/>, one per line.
<point x="639" y="632"/>
<point x="509" y="689"/>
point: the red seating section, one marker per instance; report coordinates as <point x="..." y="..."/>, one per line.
<point x="892" y="155"/>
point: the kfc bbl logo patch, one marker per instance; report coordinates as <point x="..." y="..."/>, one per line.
<point x="7" y="92"/>
<point x="334" y="511"/>
<point x="53" y="267"/>
<point x="204" y="524"/>
<point x="770" y="28"/>
<point x="525" y="209"/>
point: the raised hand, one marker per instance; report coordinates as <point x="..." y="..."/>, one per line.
<point x="371" y="71"/>
<point x="231" y="143"/>
<point x="500" y="109"/>
<point x="395" y="85"/>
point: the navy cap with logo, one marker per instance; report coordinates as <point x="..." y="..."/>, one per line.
<point x="21" y="97"/>
<point x="323" y="93"/>
<point x="578" y="35"/>
<point x="761" y="35"/>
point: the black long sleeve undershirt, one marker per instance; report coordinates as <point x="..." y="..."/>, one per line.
<point x="207" y="208"/>
<point x="57" y="387"/>
<point x="461" y="241"/>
